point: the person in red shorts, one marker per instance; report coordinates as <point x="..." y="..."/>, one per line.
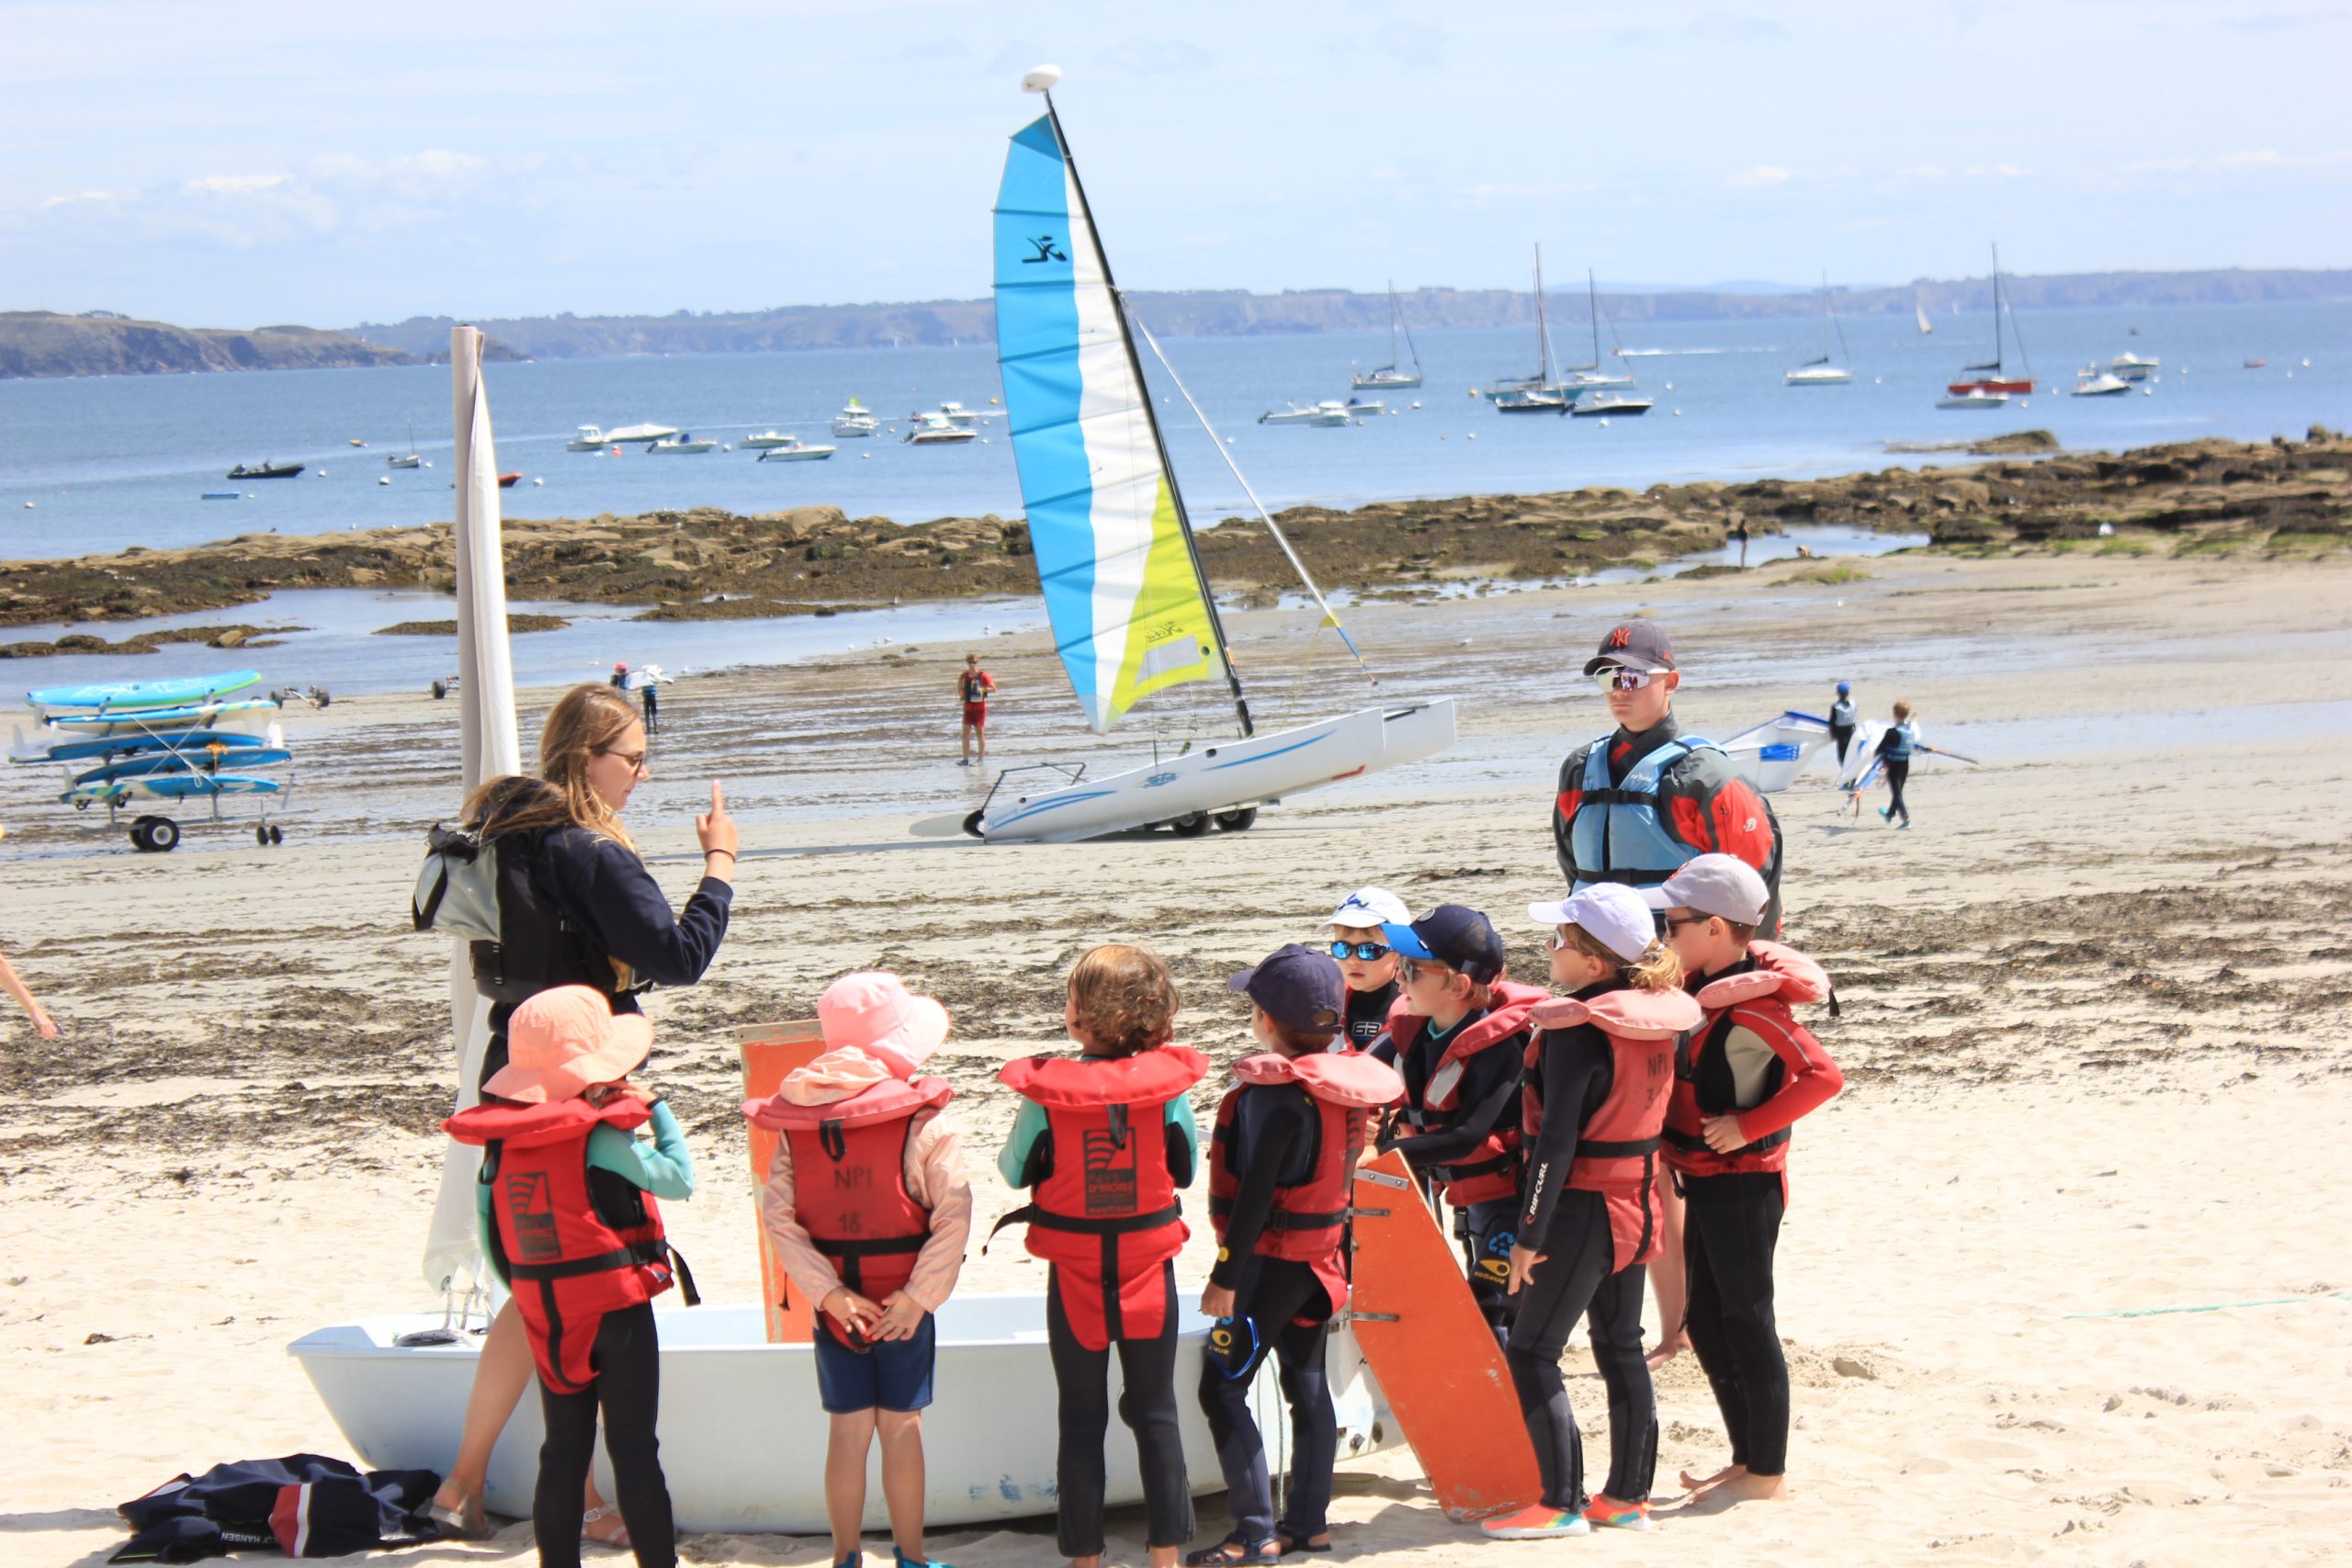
<point x="975" y="685"/>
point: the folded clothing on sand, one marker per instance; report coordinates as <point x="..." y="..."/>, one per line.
<point x="303" y="1505"/>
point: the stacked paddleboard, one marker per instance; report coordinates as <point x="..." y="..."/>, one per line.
<point x="162" y="741"/>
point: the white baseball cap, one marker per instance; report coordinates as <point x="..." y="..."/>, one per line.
<point x="1723" y="885"/>
<point x="1369" y="907"/>
<point x="1609" y="911"/>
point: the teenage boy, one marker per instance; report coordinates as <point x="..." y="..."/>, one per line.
<point x="1748" y="1073"/>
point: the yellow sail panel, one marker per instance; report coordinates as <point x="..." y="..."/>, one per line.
<point x="1168" y="637"/>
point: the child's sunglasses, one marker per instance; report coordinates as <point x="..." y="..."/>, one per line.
<point x="1367" y="951"/>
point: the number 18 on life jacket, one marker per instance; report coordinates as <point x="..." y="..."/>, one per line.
<point x="1308" y="1221"/>
<point x="1106" y="1214"/>
<point x="849" y="1182"/>
<point x="571" y="1253"/>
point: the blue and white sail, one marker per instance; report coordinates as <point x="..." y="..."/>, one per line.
<point x="1129" y="611"/>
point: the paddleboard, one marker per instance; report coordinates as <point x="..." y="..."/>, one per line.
<point x="147" y="721"/>
<point x="140" y="695"/>
<point x="190" y="761"/>
<point x="134" y="745"/>
<point x="1440" y="1370"/>
<point x="171" y="786"/>
<point x="769" y="1051"/>
<point x="1861" y="756"/>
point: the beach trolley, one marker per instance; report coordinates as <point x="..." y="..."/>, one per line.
<point x="127" y="746"/>
<point x="739" y="1412"/>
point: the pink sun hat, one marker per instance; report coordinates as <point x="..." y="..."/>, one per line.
<point x="560" y="1040"/>
<point x="873" y="1011"/>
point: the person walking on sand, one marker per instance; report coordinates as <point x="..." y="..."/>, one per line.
<point x="974" y="685"/>
<point x="43" y="1025"/>
<point x="868" y="1208"/>
<point x="577" y="907"/>
<point x="1633" y="807"/>
<point x="1896" y="745"/>
<point x="649" y="693"/>
<point x="1842" y="719"/>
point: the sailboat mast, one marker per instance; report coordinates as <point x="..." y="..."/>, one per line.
<point x="1996" y="307"/>
<point x="1158" y="440"/>
<point x="1392" y="321"/>
<point x="1542" y="327"/>
<point x="1593" y="309"/>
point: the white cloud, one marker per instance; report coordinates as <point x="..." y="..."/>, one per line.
<point x="2259" y="158"/>
<point x="89" y="195"/>
<point x="234" y="185"/>
<point x="1762" y="176"/>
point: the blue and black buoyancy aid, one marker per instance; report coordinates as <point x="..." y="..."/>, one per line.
<point x="1618" y="833"/>
<point x="1899" y="742"/>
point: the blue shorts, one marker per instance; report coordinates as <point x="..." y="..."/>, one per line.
<point x="895" y="1375"/>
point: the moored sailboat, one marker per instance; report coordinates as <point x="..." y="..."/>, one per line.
<point x="1542" y="393"/>
<point x="1390" y="375"/>
<point x="1993" y="375"/>
<point x="1824" y="371"/>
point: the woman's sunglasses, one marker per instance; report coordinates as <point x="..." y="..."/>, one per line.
<point x="1369" y="952"/>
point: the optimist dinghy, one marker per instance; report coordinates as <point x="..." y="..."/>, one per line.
<point x="1131" y="609"/>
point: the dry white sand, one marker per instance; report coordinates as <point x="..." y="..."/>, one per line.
<point x="2095" y="1036"/>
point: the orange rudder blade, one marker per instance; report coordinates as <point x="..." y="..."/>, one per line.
<point x="769" y="1051"/>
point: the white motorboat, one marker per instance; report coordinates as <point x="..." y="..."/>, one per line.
<point x="1365" y="408"/>
<point x="1974" y="398"/>
<point x="1391" y="375"/>
<point x="1329" y="412"/>
<point x="792" y="449"/>
<point x="937" y="430"/>
<point x="2095" y="383"/>
<point x="594" y="438"/>
<point x="761" y="440"/>
<point x="681" y="445"/>
<point x="2132" y="367"/>
<point x="1823" y="371"/>
<point x="740" y="1416"/>
<point x="591" y="439"/>
<point x="855" y="419"/>
<point x="1616" y="404"/>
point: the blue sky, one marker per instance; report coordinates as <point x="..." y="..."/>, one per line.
<point x="235" y="163"/>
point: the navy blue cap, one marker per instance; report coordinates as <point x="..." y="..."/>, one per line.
<point x="1456" y="936"/>
<point x="1298" y="987"/>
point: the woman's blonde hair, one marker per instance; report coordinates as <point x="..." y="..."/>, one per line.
<point x="1658" y="969"/>
<point x="1124" y="998"/>
<point x="585" y="720"/>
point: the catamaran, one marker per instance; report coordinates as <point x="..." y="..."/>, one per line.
<point x="1131" y="610"/>
<point x="1821" y="372"/>
<point x="1388" y="375"/>
<point x="1991" y="376"/>
<point x="1543" y="392"/>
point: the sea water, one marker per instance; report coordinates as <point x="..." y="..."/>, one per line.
<point x="115" y="461"/>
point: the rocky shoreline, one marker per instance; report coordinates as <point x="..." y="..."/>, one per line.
<point x="2280" y="496"/>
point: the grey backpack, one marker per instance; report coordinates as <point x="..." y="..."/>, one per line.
<point x="457" y="893"/>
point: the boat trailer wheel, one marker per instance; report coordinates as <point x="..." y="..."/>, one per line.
<point x="155" y="834"/>
<point x="1236" y="821"/>
<point x="1190" y="827"/>
<point x="277" y="834"/>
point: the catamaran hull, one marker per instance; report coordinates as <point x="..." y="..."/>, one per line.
<point x="1225" y="777"/>
<point x="741" y="1428"/>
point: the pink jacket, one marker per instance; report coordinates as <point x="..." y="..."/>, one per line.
<point x="934" y="1177"/>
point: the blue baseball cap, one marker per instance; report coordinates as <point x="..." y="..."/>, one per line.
<point x="1298" y="987"/>
<point x="1456" y="936"/>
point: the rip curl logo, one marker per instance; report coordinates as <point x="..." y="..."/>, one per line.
<point x="1110" y="1172"/>
<point x="1046" y="251"/>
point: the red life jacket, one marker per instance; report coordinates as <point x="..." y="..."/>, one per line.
<point x="1107" y="1213"/>
<point x="849" y="1178"/>
<point x="1308" y="1221"/>
<point x="1617" y="1146"/>
<point x="567" y="1262"/>
<point x="1491" y="1171"/>
<point x="1781" y="977"/>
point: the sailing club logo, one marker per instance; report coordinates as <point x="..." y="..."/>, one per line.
<point x="1046" y="251"/>
<point x="1158" y="779"/>
<point x="531" y="1212"/>
<point x="1110" y="1156"/>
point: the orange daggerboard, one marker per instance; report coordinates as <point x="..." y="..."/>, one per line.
<point x="770" y="1051"/>
<point x="1428" y="1345"/>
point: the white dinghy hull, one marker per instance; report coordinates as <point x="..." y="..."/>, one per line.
<point x="1770" y="755"/>
<point x="1228" y="776"/>
<point x="744" y="1436"/>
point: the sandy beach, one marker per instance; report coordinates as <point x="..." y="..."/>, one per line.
<point x="2096" y="1032"/>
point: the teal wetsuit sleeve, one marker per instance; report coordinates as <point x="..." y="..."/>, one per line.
<point x="489" y="1235"/>
<point x="1013" y="1160"/>
<point x="1186" y="1130"/>
<point x="666" y="1170"/>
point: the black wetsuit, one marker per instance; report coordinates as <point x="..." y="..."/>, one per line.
<point x="1276" y="1138"/>
<point x="1578" y="1277"/>
<point x="1841" y="726"/>
<point x="1898" y="772"/>
<point x="1368" y="1015"/>
<point x="1489" y="1095"/>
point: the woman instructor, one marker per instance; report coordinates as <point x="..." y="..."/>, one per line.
<point x="576" y="908"/>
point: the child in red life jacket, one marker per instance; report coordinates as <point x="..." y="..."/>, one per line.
<point x="1280" y="1166"/>
<point x="1106" y="1139"/>
<point x="1598" y="1075"/>
<point x="1367" y="962"/>
<point x="1739" y="1084"/>
<point x="867" y="1209"/>
<point x="1458" y="1035"/>
<point x="570" y="1220"/>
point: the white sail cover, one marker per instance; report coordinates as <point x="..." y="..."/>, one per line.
<point x="1128" y="612"/>
<point x="487" y="747"/>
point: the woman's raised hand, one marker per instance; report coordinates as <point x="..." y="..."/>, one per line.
<point x="716" y="828"/>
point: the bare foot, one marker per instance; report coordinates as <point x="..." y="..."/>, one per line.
<point x="1701" y="1482"/>
<point x="1743" y="1487"/>
<point x="1666" y="1350"/>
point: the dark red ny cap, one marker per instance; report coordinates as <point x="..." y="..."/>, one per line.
<point x="1635" y="645"/>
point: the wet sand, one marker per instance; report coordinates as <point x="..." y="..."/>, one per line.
<point x="2094" y="1004"/>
